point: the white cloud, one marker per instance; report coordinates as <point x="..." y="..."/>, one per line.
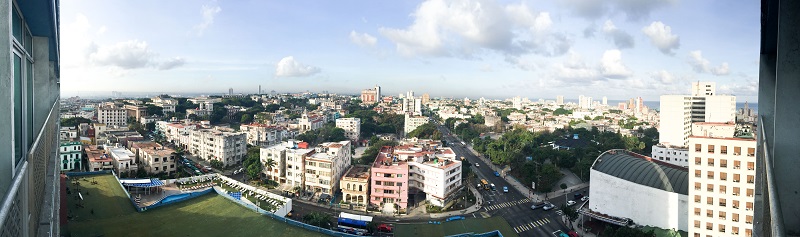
<point x="722" y="70"/>
<point x="171" y="63"/>
<point x="634" y="10"/>
<point x="130" y="54"/>
<point x="288" y="67"/>
<point x="208" y="13"/>
<point x="748" y="88"/>
<point x="662" y="76"/>
<point x="702" y="65"/>
<point x="363" y="39"/>
<point x="575" y="70"/>
<point x="621" y="38"/>
<point x="661" y="36"/>
<point x="466" y="28"/>
<point x="611" y="65"/>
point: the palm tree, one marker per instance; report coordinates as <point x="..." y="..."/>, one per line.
<point x="270" y="163"/>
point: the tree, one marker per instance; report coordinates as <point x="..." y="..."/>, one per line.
<point x="272" y="108"/>
<point x="253" y="170"/>
<point x="319" y="219"/>
<point x="270" y="163"/>
<point x="247" y="118"/>
<point x="218" y="113"/>
<point x="155" y="110"/>
<point x="216" y="164"/>
<point x="425" y="131"/>
<point x="73" y="122"/>
<point x="561" y="111"/>
<point x="571" y="214"/>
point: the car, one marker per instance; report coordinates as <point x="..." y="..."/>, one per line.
<point x="385" y="228"/>
<point x="505" y="189"/>
<point x="570" y="203"/>
<point x="578" y="196"/>
<point x="492" y="186"/>
<point x="477" y="165"/>
<point x="455" y="218"/>
<point x="548" y="206"/>
<point x="538" y="205"/>
<point x="496" y="174"/>
<point x="586" y="198"/>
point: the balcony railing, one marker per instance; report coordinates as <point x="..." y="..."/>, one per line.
<point x="32" y="209"/>
<point x="769" y="207"/>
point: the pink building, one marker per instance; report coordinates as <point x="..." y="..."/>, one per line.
<point x="389" y="182"/>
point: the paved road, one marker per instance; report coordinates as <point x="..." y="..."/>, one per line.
<point x="513" y="206"/>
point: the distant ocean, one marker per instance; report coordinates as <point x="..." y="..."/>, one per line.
<point x="656" y="104"/>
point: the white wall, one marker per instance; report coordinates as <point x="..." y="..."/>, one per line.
<point x="642" y="204"/>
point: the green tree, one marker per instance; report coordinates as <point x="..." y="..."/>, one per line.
<point x="318" y="219"/>
<point x="73" y="122"/>
<point x="562" y="111"/>
<point x="247" y="118"/>
<point x="272" y="108"/>
<point x="425" y="131"/>
<point x="270" y="164"/>
<point x="154" y="110"/>
<point x="253" y="170"/>
<point x="216" y="164"/>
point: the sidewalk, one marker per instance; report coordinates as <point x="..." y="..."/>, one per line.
<point x="524" y="189"/>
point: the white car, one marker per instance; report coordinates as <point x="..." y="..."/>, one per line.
<point x="477" y="165"/>
<point x="548" y="206"/>
<point x="570" y="203"/>
<point x="585" y="198"/>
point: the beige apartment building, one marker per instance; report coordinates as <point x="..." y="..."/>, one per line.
<point x="722" y="181"/>
<point x="355" y="187"/>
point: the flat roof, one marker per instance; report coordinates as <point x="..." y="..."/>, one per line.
<point x="358" y="172"/>
<point x="643" y="170"/>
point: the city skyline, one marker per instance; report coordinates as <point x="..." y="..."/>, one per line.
<point x="534" y="49"/>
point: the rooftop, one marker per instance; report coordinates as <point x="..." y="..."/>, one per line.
<point x="357" y="172"/>
<point x="643" y="170"/>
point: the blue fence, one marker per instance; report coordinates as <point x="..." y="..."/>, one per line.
<point x="176" y="198"/>
<point x="283" y="219"/>
<point x="75" y="174"/>
<point x="487" y="234"/>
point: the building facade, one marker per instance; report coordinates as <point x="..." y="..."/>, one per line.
<point x="351" y="127"/>
<point x="355" y="187"/>
<point x="155" y="158"/>
<point x="123" y="160"/>
<point x="230" y="148"/>
<point x="29" y="95"/>
<point x="325" y="166"/>
<point x="723" y="181"/>
<point x="71" y="156"/>
<point x="412" y="122"/>
<point x="112" y="115"/>
<point x="262" y="134"/>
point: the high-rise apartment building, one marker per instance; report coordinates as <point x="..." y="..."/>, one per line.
<point x="370" y="96"/>
<point x="677" y="114"/>
<point x="722" y="179"/>
<point x="112" y="115"/>
<point x="316" y="169"/>
<point x="412" y="122"/>
<point x="605" y="100"/>
<point x="426" y="98"/>
<point x="351" y="127"/>
<point x="29" y="78"/>
<point x="210" y="144"/>
<point x="560" y="100"/>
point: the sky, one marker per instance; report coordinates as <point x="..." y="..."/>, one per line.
<point x="464" y="48"/>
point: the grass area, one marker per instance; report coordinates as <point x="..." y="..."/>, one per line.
<point x="456" y="227"/>
<point x="209" y="215"/>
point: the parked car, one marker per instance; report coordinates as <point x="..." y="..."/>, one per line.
<point x="385" y="228"/>
<point x="538" y="205"/>
<point x="455" y="218"/>
<point x="505" y="189"/>
<point x="570" y="203"/>
<point x="477" y="165"/>
<point x="492" y="186"/>
<point x="548" y="206"/>
<point x="586" y="198"/>
<point x="578" y="196"/>
<point x="496" y="174"/>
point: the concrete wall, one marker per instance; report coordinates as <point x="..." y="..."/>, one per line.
<point x="6" y="119"/>
<point x="642" y="204"/>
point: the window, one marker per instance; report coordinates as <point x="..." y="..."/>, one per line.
<point x="751" y="151"/>
<point x="697" y="147"/>
<point x="697" y="198"/>
<point x="710" y="148"/>
<point x="737" y="150"/>
<point x="735" y="204"/>
<point x="734" y="230"/>
<point x="723" y="176"/>
<point x="722" y="189"/>
<point x="721" y="228"/>
<point x="749" y="219"/>
<point x="156" y="159"/>
<point x="399" y="184"/>
<point x="736" y="178"/>
<point x="710" y="174"/>
<point x="399" y="175"/>
<point x="711" y="162"/>
<point x="377" y="182"/>
<point x="750" y="179"/>
<point x="710" y="200"/>
<point x="751" y="166"/>
<point x="697" y="173"/>
<point x="697" y="160"/>
<point x="735" y="217"/>
<point x="696" y="211"/>
<point x="750" y="192"/>
<point x="710" y="187"/>
<point x="723" y="163"/>
<point x="696" y="186"/>
<point x="722" y="202"/>
<point x="737" y="164"/>
<point x="723" y="150"/>
<point x="696" y="224"/>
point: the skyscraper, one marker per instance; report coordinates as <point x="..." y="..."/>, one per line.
<point x="560" y="100"/>
<point x="605" y="100"/>
<point x="30" y="98"/>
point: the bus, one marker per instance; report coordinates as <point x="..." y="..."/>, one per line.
<point x="353" y="224"/>
<point x="485" y="184"/>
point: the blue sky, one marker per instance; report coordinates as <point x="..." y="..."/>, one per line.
<point x="475" y="48"/>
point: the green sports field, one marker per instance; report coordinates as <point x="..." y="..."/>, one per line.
<point x="209" y="215"/>
<point x="456" y="227"/>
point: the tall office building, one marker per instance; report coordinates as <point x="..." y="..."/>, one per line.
<point x="722" y="181"/>
<point x="560" y="100"/>
<point x="605" y="100"/>
<point x="29" y="95"/>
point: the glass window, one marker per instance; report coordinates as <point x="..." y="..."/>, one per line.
<point x="29" y="101"/>
<point x="19" y="152"/>
<point x="17" y="24"/>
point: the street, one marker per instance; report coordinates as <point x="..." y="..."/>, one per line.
<point x="514" y="207"/>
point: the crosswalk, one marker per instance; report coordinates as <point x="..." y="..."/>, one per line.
<point x="530" y="226"/>
<point x="508" y="204"/>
